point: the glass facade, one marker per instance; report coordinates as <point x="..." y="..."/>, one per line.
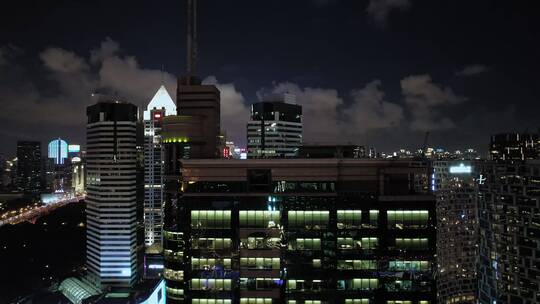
<point x="285" y="245"/>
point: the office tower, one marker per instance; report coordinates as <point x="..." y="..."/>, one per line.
<point x="78" y="176"/>
<point x="514" y="146"/>
<point x="509" y="200"/>
<point x="159" y="106"/>
<point x="275" y="127"/>
<point x="58" y="151"/>
<point x="304" y="231"/>
<point x="457" y="230"/>
<point x="29" y="166"/>
<point x="193" y="133"/>
<point x="201" y="103"/>
<point x="113" y="257"/>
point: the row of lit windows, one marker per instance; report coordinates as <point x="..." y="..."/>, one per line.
<point x="269" y="301"/>
<point x="260" y="263"/>
<point x="358" y="284"/>
<point x="259" y="283"/>
<point x="407" y="218"/>
<point x="217" y="219"/>
<point x="259" y="219"/>
<point x="173" y="275"/>
<point x="363" y="243"/>
<point x="221" y="219"/>
<point x="357" y="264"/>
<point x="210" y="264"/>
<point x="211" y="284"/>
<point x="173" y="255"/>
<point x="409" y="265"/>
<point x="212" y="243"/>
<point x="347" y="219"/>
<point x="412" y="243"/>
<point x="211" y="301"/>
<point x="305" y="244"/>
<point x="255" y="300"/>
<point x="313" y="219"/>
<point x="343" y="243"/>
<point x="260" y="243"/>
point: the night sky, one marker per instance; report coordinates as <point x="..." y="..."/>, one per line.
<point x="377" y="73"/>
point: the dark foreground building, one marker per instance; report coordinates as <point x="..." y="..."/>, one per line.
<point x="514" y="146"/>
<point x="509" y="204"/>
<point x="301" y="231"/>
<point x="29" y="166"/>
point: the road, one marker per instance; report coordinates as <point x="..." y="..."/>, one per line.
<point x="37" y="212"/>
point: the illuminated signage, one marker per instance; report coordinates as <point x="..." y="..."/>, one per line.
<point x="461" y="169"/>
<point x="74" y="148"/>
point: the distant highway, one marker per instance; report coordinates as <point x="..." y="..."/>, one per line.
<point x="31" y="215"/>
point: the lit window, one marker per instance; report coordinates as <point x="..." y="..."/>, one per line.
<point x="357" y="264"/>
<point x="305" y="244"/>
<point x="349" y="219"/>
<point x="210" y="284"/>
<point x="173" y="275"/>
<point x="409" y="266"/>
<point x="407" y="219"/>
<point x="412" y="243"/>
<point x="211" y="301"/>
<point x="210" y="219"/>
<point x="210" y="264"/>
<point x="255" y="300"/>
<point x="308" y="219"/>
<point x="259" y="219"/>
<point x="211" y="243"/>
<point x="356" y="301"/>
<point x="358" y="284"/>
<point x="260" y="263"/>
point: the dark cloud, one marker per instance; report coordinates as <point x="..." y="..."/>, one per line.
<point x="8" y="53"/>
<point x="472" y="70"/>
<point x="427" y="101"/>
<point x="379" y="10"/>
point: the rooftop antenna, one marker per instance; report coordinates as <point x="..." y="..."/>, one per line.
<point x="191" y="39"/>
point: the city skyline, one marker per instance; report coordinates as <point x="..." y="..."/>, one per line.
<point x="304" y="152"/>
<point x="391" y="68"/>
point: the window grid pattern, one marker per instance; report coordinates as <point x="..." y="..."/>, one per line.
<point x="308" y="219"/>
<point x="259" y="219"/>
<point x="210" y="219"/>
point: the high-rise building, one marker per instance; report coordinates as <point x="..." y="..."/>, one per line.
<point x="514" y="146"/>
<point x="58" y="151"/>
<point x="200" y="104"/>
<point x="78" y="175"/>
<point x="303" y="231"/>
<point x="509" y="204"/>
<point x="112" y="202"/>
<point x="454" y="182"/>
<point x="193" y="133"/>
<point x="275" y="127"/>
<point x="160" y="106"/>
<point x="29" y="166"/>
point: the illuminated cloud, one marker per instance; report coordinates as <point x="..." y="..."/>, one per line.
<point x="328" y="118"/>
<point x="234" y="111"/>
